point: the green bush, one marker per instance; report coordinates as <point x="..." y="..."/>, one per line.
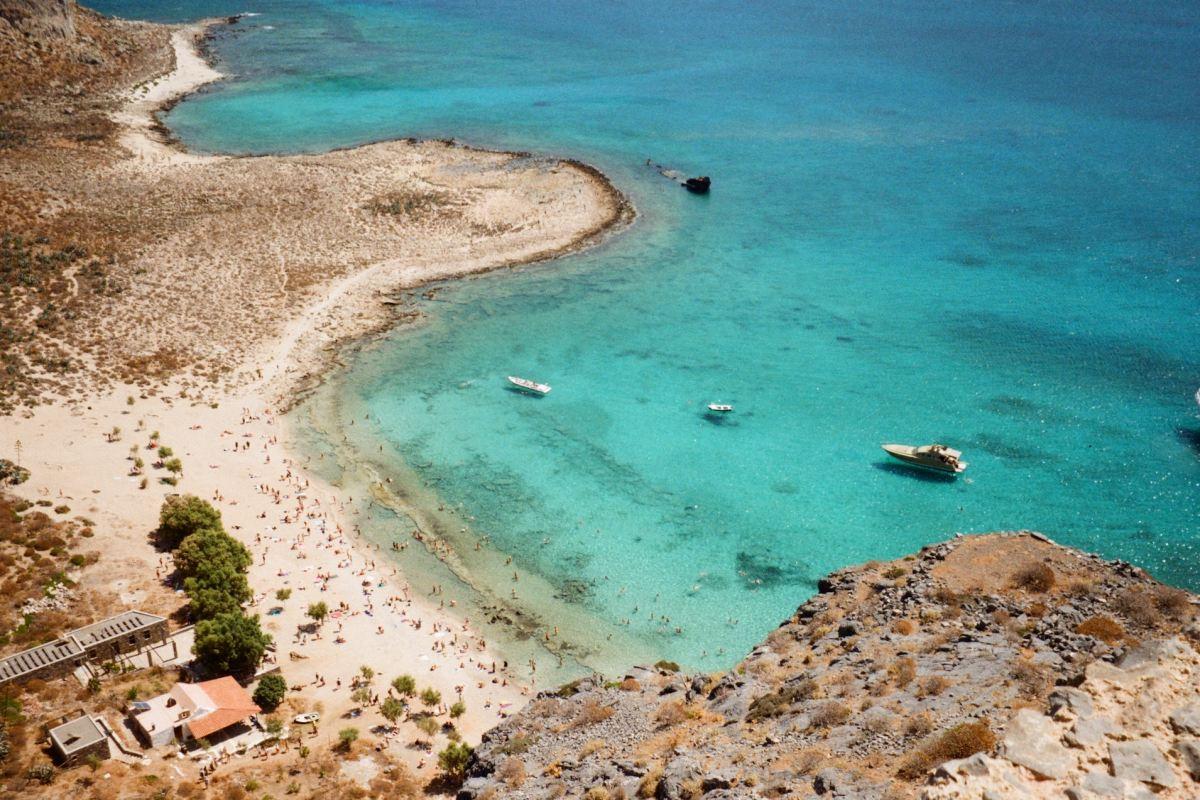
<point x="270" y="692"/>
<point x="209" y="547"/>
<point x="230" y="644"/>
<point x="42" y="773"/>
<point x="405" y="685"/>
<point x="453" y="760"/>
<point x="183" y="515"/>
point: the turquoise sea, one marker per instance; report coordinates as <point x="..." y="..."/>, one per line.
<point x="976" y="223"/>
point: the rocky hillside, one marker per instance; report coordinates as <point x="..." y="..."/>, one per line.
<point x="43" y="19"/>
<point x="999" y="666"/>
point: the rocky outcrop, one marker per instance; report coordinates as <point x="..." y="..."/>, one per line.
<point x="40" y="19"/>
<point x="1000" y="666"/>
<point x="1127" y="731"/>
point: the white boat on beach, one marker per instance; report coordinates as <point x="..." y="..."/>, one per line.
<point x="937" y="457"/>
<point x="526" y="385"/>
<point x="720" y="408"/>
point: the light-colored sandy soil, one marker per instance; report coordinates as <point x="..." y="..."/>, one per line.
<point x="242" y="274"/>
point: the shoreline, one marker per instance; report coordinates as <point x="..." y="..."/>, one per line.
<point x="267" y="499"/>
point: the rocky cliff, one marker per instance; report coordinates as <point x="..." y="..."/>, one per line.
<point x="999" y="666"/>
<point x="42" y="19"/>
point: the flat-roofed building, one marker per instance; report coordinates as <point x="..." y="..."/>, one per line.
<point x="102" y="641"/>
<point x="74" y="741"/>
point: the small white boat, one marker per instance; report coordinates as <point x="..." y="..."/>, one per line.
<point x="720" y="408"/>
<point x="937" y="457"/>
<point x="540" y="389"/>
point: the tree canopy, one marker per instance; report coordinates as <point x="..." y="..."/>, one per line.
<point x="230" y="643"/>
<point x="183" y="515"/>
<point x="453" y="760"/>
<point x="209" y="547"/>
<point x="270" y="692"/>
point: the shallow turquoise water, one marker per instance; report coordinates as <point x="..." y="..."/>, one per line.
<point x="972" y="223"/>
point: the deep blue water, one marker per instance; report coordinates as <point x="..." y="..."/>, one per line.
<point x="975" y="223"/>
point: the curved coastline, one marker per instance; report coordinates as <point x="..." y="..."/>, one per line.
<point x="306" y="355"/>
<point x="316" y="356"/>
<point x="280" y="331"/>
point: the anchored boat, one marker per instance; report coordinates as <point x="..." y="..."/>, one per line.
<point x="937" y="457"/>
<point x="720" y="408"/>
<point x="698" y="185"/>
<point x="532" y="387"/>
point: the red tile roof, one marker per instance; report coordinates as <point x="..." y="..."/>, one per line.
<point x="230" y="703"/>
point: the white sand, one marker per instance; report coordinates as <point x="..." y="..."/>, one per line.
<point x="302" y="538"/>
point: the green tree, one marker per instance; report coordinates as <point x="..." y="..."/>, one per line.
<point x="347" y="737"/>
<point x="173" y="466"/>
<point x="210" y="601"/>
<point x="318" y="611"/>
<point x="458" y="709"/>
<point x="431" y="697"/>
<point x="367" y="674"/>
<point x="361" y="695"/>
<point x="230" y="644"/>
<point x="183" y="515"/>
<point x="405" y="685"/>
<point x="453" y="760"/>
<point x="211" y="546"/>
<point x="270" y="692"/>
<point x="392" y="709"/>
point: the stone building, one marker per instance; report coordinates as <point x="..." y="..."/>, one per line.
<point x="97" y="643"/>
<point x="74" y="741"/>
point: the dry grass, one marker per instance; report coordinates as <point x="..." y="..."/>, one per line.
<point x="591" y="748"/>
<point x="902" y="671"/>
<point x="1138" y="607"/>
<point x="512" y="772"/>
<point x="1034" y="577"/>
<point x="1033" y="680"/>
<point x="1106" y="629"/>
<point x="918" y="725"/>
<point x="829" y="714"/>
<point x="592" y="712"/>
<point x="776" y="703"/>
<point x="904" y="627"/>
<point x="934" y="685"/>
<point x="648" y="785"/>
<point x="965" y="739"/>
<point x="1175" y="604"/>
<point x="674" y="712"/>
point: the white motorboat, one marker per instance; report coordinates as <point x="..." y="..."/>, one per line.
<point x="937" y="457"/>
<point x="526" y="385"/>
<point x="720" y="408"/>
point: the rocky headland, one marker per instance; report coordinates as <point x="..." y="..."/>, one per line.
<point x="997" y="666"/>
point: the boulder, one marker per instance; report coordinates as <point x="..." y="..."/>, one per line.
<point x="1090" y="731"/>
<point x="1033" y="742"/>
<point x="1186" y="720"/>
<point x="1076" y="701"/>
<point x="1141" y="761"/>
<point x="1189" y="756"/>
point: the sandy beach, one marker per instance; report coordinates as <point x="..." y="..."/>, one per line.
<point x="251" y="318"/>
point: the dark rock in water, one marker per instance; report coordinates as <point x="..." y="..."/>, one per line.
<point x="698" y="185"/>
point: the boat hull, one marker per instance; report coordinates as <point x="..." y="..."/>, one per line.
<point x="904" y="454"/>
